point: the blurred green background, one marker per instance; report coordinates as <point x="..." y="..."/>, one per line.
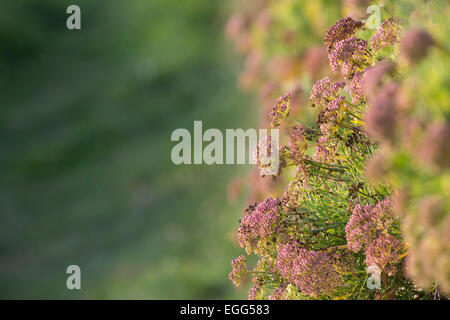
<point x="86" y="176"/>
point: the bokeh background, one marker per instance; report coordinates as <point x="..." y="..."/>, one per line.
<point x="86" y="175"/>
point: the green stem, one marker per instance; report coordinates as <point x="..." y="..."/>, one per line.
<point x="295" y="119"/>
<point x="328" y="166"/>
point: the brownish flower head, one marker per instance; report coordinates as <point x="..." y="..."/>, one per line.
<point x="297" y="143"/>
<point x="400" y="200"/>
<point x="280" y="110"/>
<point x="374" y="77"/>
<point x="411" y="133"/>
<point x="315" y="61"/>
<point x="430" y="211"/>
<point x="381" y="117"/>
<point x="349" y="56"/>
<point x="387" y="33"/>
<point x="383" y="251"/>
<point x="377" y="167"/>
<point x="415" y="45"/>
<point x="342" y="29"/>
<point x="239" y="272"/>
<point x="366" y="223"/>
<point x="357" y="89"/>
<point x="324" y="91"/>
<point x="435" y="149"/>
<point x="428" y="261"/>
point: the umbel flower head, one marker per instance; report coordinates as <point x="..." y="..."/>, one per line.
<point x="383" y="251"/>
<point x="297" y="143"/>
<point x="239" y="271"/>
<point x="259" y="224"/>
<point x="325" y="91"/>
<point x="357" y="89"/>
<point x="254" y="292"/>
<point x="349" y="56"/>
<point x="313" y="272"/>
<point x="342" y="29"/>
<point x="280" y="110"/>
<point x="267" y="156"/>
<point x="366" y="84"/>
<point x="278" y="294"/>
<point x="387" y="34"/>
<point x="334" y="110"/>
<point x="292" y="194"/>
<point x="367" y="223"/>
<point x="325" y="151"/>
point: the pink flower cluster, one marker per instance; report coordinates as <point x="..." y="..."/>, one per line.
<point x="366" y="223"/>
<point x="348" y="55"/>
<point x="384" y="250"/>
<point x="333" y="110"/>
<point x="297" y="143"/>
<point x="368" y="229"/>
<point x="325" y="152"/>
<point x="261" y="223"/>
<point x="292" y="194"/>
<point x="387" y="34"/>
<point x="357" y="89"/>
<point x="252" y="294"/>
<point x="280" y="110"/>
<point x="313" y="272"/>
<point x="266" y="155"/>
<point x="325" y="91"/>
<point x="279" y="292"/>
<point x="342" y="29"/>
<point x="239" y="271"/>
